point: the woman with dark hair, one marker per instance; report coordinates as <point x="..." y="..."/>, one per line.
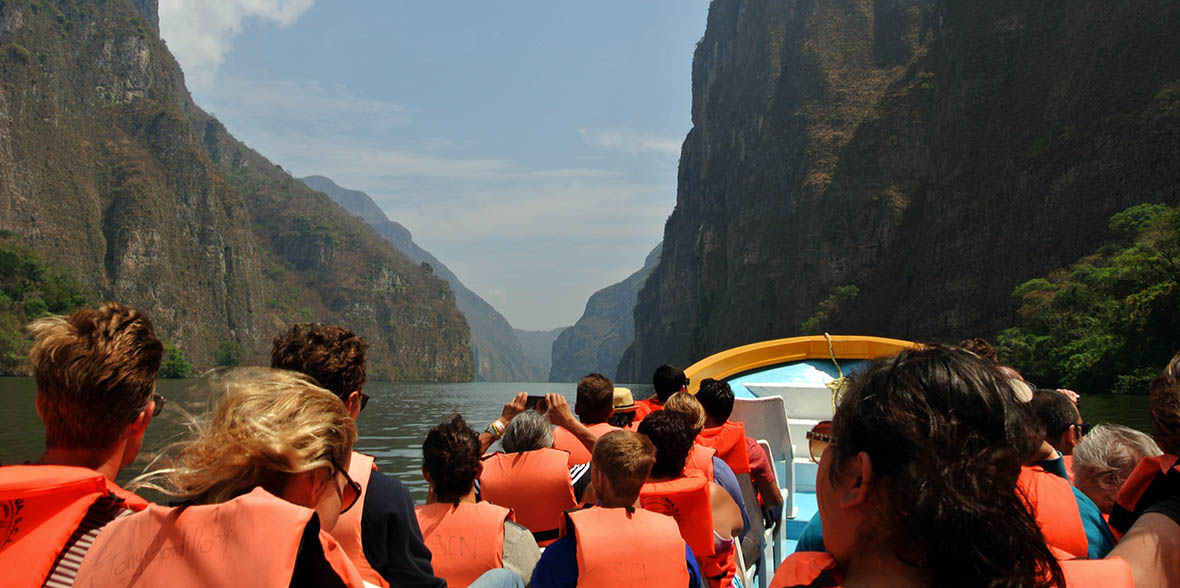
<point x="917" y="483"/>
<point x="467" y="538"/>
<point x="708" y="518"/>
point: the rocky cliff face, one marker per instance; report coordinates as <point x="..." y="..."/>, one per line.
<point x="932" y="153"/>
<point x="107" y="167"/>
<point x="538" y="349"/>
<point x="596" y="342"/>
<point x="498" y="354"/>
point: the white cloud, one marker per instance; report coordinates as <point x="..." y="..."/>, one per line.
<point x="201" y="32"/>
<point x="629" y="142"/>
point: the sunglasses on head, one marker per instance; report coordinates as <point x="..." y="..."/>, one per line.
<point x="351" y="492"/>
<point x="819" y="438"/>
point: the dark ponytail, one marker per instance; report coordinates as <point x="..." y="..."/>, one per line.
<point x="948" y="436"/>
<point x="450" y="455"/>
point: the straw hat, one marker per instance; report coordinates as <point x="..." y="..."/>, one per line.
<point x="623" y="401"/>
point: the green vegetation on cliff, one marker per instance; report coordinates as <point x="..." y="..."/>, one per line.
<point x="1110" y="321"/>
<point x="113" y="173"/>
<point x="30" y="289"/>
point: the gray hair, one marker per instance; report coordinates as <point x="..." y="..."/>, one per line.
<point x="1107" y="455"/>
<point x="528" y="430"/>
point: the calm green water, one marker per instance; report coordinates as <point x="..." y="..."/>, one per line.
<point x="392" y="426"/>
<point x="395" y="422"/>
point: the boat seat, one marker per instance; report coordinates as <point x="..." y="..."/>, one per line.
<point x="765" y="418"/>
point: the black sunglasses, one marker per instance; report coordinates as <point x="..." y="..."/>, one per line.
<point x="1083" y="428"/>
<point x="159" y="400"/>
<point x="351" y="492"/>
<point x="364" y="399"/>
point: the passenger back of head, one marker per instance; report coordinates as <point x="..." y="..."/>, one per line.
<point x="96" y="371"/>
<point x="528" y="431"/>
<point x="595" y="399"/>
<point x="333" y="356"/>
<point x="1105" y="458"/>
<point x="672" y="439"/>
<point x="450" y="454"/>
<point x="716" y="397"/>
<point x="668" y="380"/>
<point x="626" y="459"/>
<point x="1056" y="413"/>
<point x="687" y="406"/>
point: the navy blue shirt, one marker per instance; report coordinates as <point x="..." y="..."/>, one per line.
<point x="390" y="535"/>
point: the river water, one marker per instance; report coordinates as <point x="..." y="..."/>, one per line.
<point x="393" y="424"/>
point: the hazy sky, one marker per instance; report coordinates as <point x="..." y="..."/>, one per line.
<point x="531" y="146"/>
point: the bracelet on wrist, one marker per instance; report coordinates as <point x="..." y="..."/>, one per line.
<point x="496" y="429"/>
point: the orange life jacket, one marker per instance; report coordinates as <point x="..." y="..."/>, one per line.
<point x="535" y="485"/>
<point x="567" y="441"/>
<point x="729" y="440"/>
<point x="606" y="562"/>
<point x="1050" y="498"/>
<point x="252" y="540"/>
<point x="465" y="539"/>
<point x="1155" y="478"/>
<point x="1067" y="461"/>
<point x="686" y="500"/>
<point x="348" y="527"/>
<point x="701" y="459"/>
<point x="807" y="568"/>
<point x="645" y="407"/>
<point x="40" y="508"/>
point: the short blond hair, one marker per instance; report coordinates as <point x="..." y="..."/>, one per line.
<point x="95" y="370"/>
<point x="689" y="407"/>
<point x="269" y="425"/>
<point x="626" y="459"/>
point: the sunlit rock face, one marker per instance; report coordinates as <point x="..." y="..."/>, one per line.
<point x="934" y="154"/>
<point x="108" y="168"/>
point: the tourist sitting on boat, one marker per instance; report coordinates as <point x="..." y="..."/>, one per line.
<point x="1063" y="426"/>
<point x="260" y="484"/>
<point x="743" y="454"/>
<point x="96" y="383"/>
<point x="594" y="406"/>
<point x="667" y="380"/>
<point x="1155" y="477"/>
<point x="623" y="416"/>
<point x="615" y="543"/>
<point x="1068" y="519"/>
<point x="708" y="518"/>
<point x="1105" y="458"/>
<point x="467" y="538"/>
<point x="916" y="484"/>
<point x="529" y="476"/>
<point x="381" y="534"/>
<point x="704" y="459"/>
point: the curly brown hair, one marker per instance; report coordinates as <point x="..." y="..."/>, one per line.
<point x="333" y="356"/>
<point x="450" y="454"/>
<point x="96" y="370"/>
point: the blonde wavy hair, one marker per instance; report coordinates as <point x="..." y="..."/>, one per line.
<point x="689" y="407"/>
<point x="268" y="425"/>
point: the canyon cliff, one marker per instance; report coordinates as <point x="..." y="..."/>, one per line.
<point x="931" y="154"/>
<point x="108" y="168"/>
<point x="596" y="342"/>
<point x="497" y="352"/>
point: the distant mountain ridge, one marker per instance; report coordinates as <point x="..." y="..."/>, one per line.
<point x="498" y="356"/>
<point x="596" y="342"/>
<point x="112" y="172"/>
<point x="538" y="350"/>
